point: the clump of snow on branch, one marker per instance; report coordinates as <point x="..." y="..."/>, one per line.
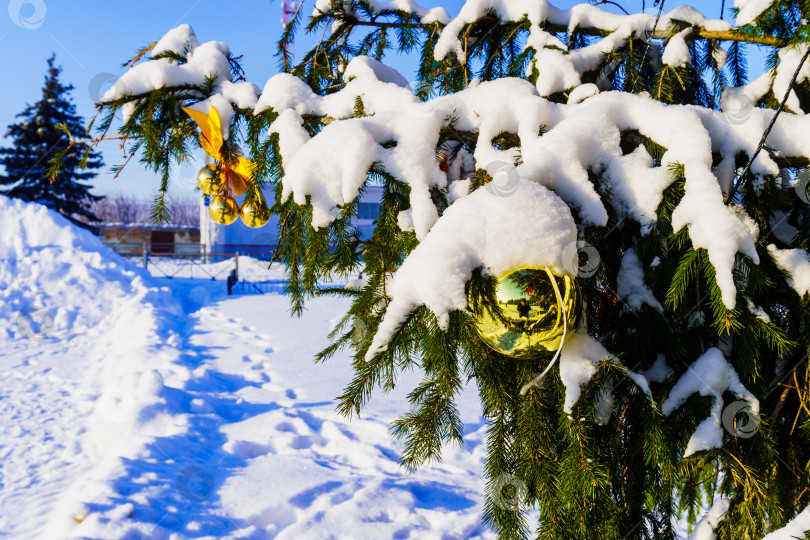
<point x="676" y="53"/>
<point x="580" y="359"/>
<point x="796" y="528"/>
<point x="631" y="288"/>
<point x="426" y="15"/>
<point x="559" y="68"/>
<point x="528" y="228"/>
<point x="579" y="362"/>
<point x="206" y="61"/>
<point x="796" y="262"/>
<point x="179" y="40"/>
<point x="783" y="74"/>
<point x="750" y="9"/>
<point x="658" y="372"/>
<point x="758" y="312"/>
<point x="710" y="375"/>
<point x="740" y="99"/>
<point x="582" y="92"/>
<point x="704" y="530"/>
<point x="330" y="167"/>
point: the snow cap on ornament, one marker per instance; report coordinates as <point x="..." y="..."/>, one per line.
<point x="528" y="228"/>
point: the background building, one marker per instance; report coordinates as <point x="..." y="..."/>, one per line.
<point x="133" y="239"/>
<point x="226" y="240"/>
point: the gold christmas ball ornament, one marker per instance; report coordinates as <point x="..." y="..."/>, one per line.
<point x="209" y="180"/>
<point x="254" y="213"/>
<point x="223" y="209"/>
<point x="531" y="315"/>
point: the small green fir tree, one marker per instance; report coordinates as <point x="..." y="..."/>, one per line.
<point x="40" y="134"/>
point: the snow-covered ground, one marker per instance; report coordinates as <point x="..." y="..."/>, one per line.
<point x="142" y="407"/>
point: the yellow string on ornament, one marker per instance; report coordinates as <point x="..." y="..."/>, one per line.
<point x="561" y="305"/>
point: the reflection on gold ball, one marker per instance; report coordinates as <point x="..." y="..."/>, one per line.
<point x="209" y="180"/>
<point x="223" y="209"/>
<point x="527" y="319"/>
<point x="254" y="213"/>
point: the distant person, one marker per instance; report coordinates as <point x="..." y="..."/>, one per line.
<point x="523" y="308"/>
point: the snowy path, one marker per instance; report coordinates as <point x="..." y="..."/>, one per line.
<point x="253" y="448"/>
<point x="159" y="408"/>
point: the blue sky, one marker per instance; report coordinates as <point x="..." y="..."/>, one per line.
<point x="92" y="38"/>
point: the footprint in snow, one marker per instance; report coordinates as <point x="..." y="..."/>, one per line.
<point x="231" y="323"/>
<point x="287" y="427"/>
<point x="257" y="360"/>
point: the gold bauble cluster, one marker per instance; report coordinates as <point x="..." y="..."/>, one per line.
<point x="223" y="208"/>
<point x="531" y="315"/>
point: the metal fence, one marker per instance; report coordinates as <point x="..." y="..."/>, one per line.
<point x="275" y="286"/>
<point x="191" y="256"/>
<point x="184" y="250"/>
<point x="196" y="258"/>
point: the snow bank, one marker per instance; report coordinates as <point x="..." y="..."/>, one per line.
<point x="126" y="323"/>
<point x="47" y="262"/>
<point x="141" y="421"/>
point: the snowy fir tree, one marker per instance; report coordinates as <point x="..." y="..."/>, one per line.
<point x="594" y="218"/>
<point x="40" y="135"/>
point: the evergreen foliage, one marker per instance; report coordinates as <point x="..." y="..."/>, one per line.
<point x="591" y="475"/>
<point x="43" y="132"/>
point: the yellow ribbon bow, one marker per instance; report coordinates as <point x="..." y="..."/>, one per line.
<point x="211" y="141"/>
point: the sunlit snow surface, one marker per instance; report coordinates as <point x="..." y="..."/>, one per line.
<point x="161" y="408"/>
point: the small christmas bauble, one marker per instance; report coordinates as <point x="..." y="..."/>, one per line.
<point x="254" y="213"/>
<point x="209" y="180"/>
<point x="528" y="317"/>
<point x="223" y="209"/>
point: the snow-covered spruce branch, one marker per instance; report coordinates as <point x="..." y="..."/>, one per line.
<point x="330" y="167"/>
<point x="558" y="49"/>
<point x="559" y="146"/>
<point x="342" y="19"/>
